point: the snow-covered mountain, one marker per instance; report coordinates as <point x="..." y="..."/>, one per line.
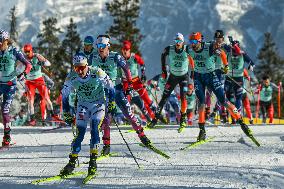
<point x="245" y="20"/>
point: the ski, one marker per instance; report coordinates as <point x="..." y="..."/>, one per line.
<point x="197" y="143"/>
<point x="156" y="150"/>
<point x="181" y="129"/>
<point x="146" y="128"/>
<point x="88" y="178"/>
<point x="101" y="157"/>
<point x="58" y="177"/>
<point x="254" y="140"/>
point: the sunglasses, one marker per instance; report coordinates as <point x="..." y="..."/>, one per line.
<point x="178" y="41"/>
<point x="79" y="68"/>
<point x="27" y="52"/>
<point x="193" y="41"/>
<point x="101" y="46"/>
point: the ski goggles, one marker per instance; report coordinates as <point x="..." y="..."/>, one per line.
<point x="178" y="41"/>
<point x="193" y="41"/>
<point x="101" y="46"/>
<point x="79" y="68"/>
<point x="27" y="52"/>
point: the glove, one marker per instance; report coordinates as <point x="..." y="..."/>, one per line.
<point x="129" y="91"/>
<point x="251" y="67"/>
<point x="164" y="74"/>
<point x="226" y="69"/>
<point x="143" y="78"/>
<point x="111" y="107"/>
<point x="68" y="118"/>
<point x="248" y="78"/>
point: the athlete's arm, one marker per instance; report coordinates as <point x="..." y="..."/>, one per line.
<point x="19" y="56"/>
<point x="163" y="58"/>
<point x="122" y="63"/>
<point x="140" y="61"/>
<point x="42" y="60"/>
<point x="108" y="85"/>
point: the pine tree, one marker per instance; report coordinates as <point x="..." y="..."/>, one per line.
<point x="49" y="46"/>
<point x="71" y="43"/>
<point x="125" y="13"/>
<point x="13" y="24"/>
<point x="270" y="62"/>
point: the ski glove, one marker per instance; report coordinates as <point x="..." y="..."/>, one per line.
<point x="226" y="69"/>
<point x="111" y="107"/>
<point x="143" y="78"/>
<point x="164" y="74"/>
<point x="251" y="67"/>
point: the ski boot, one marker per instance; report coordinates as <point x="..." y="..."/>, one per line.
<point x="245" y="128"/>
<point x="6" y="138"/>
<point x="182" y="124"/>
<point x="106" y="150"/>
<point x="143" y="137"/>
<point x="92" y="164"/>
<point x="251" y="121"/>
<point x="69" y="168"/>
<point x="152" y="123"/>
<point x="202" y="132"/>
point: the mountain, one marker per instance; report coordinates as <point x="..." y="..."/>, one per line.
<point x="245" y="20"/>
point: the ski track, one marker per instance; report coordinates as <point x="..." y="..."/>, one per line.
<point x="231" y="160"/>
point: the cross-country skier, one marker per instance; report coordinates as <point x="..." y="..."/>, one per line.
<point x="266" y="105"/>
<point x="134" y="61"/>
<point x="179" y="60"/>
<point x="205" y="76"/>
<point x="35" y="81"/>
<point x="89" y="83"/>
<point x="8" y="75"/>
<point x="111" y="62"/>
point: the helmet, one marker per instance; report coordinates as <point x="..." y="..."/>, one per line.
<point x="28" y="47"/>
<point x="196" y="36"/>
<point x="28" y="50"/>
<point x="79" y="60"/>
<point x="4" y="35"/>
<point x="219" y="34"/>
<point x="89" y="40"/>
<point x="126" y="45"/>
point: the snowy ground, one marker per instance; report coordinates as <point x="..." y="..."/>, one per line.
<point x="227" y="162"/>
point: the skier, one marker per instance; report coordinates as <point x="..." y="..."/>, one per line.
<point x="133" y="60"/>
<point x="191" y="99"/>
<point x="205" y="76"/>
<point x="245" y="99"/>
<point x="69" y="109"/>
<point x="236" y="72"/>
<point x="8" y="75"/>
<point x="266" y="104"/>
<point x="89" y="84"/>
<point x="35" y="81"/>
<point x="111" y="62"/>
<point x="179" y="60"/>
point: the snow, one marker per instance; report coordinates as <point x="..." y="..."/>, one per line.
<point x="231" y="160"/>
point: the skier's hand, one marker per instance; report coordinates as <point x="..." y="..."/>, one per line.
<point x="129" y="90"/>
<point x="111" y="108"/>
<point x="251" y="67"/>
<point x="164" y="74"/>
<point x="143" y="78"/>
<point x="226" y="69"/>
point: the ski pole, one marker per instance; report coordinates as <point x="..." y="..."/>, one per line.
<point x="126" y="144"/>
<point x="279" y="93"/>
<point x="232" y="79"/>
